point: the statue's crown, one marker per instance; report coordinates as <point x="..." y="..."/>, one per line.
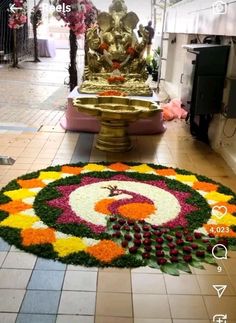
<point x="118" y="6"/>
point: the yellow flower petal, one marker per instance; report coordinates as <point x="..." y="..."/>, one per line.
<point x="50" y="175"/>
<point x="94" y="167"/>
<point x="227" y="219"/>
<point x="19" y="221"/>
<point x="142" y="168"/>
<point x="19" y="194"/>
<point x="186" y="178"/>
<point x="215" y="196"/>
<point x="67" y="246"/>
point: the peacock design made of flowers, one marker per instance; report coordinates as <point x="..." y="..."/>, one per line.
<point x="135" y="206"/>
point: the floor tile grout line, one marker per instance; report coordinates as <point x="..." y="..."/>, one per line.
<point x="26" y="288"/>
<point x="114" y="292"/>
<point x="82" y="148"/>
<point x="22" y="269"/>
<point x="7" y="252"/>
<point x="132" y="295"/>
<point x="38" y="313"/>
<point x="96" y="297"/>
<point x="59" y="301"/>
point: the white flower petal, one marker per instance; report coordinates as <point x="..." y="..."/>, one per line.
<point x="61" y="235"/>
<point x="202" y="193"/>
<point x="29" y="200"/>
<point x="48" y="181"/>
<point x="90" y="242"/>
<point x="172" y="177"/>
<point x="212" y="221"/>
<point x="64" y="175"/>
<point x="29" y="212"/>
<point x="212" y="202"/>
<point x="188" y="183"/>
<point x="35" y="189"/>
<point x="39" y="225"/>
<point x="202" y="230"/>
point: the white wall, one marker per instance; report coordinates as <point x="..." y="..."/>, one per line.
<point x="141" y="7"/>
<point x="221" y="128"/>
<point x="173" y="67"/>
<point x="198" y="17"/>
<point x="222" y="134"/>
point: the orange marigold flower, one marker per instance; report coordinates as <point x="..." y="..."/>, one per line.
<point x="37" y="236"/>
<point x="30" y="183"/>
<point x="15" y="206"/>
<point x="116" y="65"/>
<point x="121" y="78"/>
<point x="71" y="170"/>
<point x="116" y="79"/>
<point x="112" y="93"/>
<point x="104" y="46"/>
<point x="102" y="206"/>
<point x="166" y="172"/>
<point x="119" y="167"/>
<point x="106" y="251"/>
<point x="203" y="186"/>
<point x="136" y="211"/>
<point x="131" y="51"/>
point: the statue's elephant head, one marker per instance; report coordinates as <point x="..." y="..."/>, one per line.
<point x="106" y="22"/>
<point x="130" y="21"/>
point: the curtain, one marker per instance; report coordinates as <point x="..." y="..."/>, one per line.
<point x="5" y="32"/>
<point x="6" y="35"/>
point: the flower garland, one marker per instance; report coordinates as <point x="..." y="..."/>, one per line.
<point x="103" y="46"/>
<point x="131" y="51"/>
<point x="112" y="93"/>
<point x="116" y="79"/>
<point x="18" y="18"/>
<point x="116" y="65"/>
<point x="124" y="215"/>
<point x="81" y="16"/>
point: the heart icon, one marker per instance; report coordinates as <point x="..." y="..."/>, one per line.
<point x="219" y="211"/>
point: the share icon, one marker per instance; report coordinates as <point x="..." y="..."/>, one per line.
<point x="220" y="289"/>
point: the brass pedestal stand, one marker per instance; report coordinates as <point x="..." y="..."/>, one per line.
<point x="115" y="114"/>
<point x="113" y="136"/>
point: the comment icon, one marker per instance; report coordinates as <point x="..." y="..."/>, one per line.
<point x="223" y="254"/>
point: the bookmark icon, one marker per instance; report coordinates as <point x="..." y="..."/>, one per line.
<point x="220" y="289"/>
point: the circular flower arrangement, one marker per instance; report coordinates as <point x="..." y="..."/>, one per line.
<point x="124" y="215"/>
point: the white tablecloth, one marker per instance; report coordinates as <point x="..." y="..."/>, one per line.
<point x="46" y="47"/>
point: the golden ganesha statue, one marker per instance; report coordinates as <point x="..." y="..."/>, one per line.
<point x="114" y="56"/>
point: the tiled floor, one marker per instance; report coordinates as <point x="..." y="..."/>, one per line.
<point x="36" y="290"/>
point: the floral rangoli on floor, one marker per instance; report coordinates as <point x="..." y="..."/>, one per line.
<point x="119" y="215"/>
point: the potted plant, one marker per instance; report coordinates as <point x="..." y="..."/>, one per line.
<point x="152" y="62"/>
